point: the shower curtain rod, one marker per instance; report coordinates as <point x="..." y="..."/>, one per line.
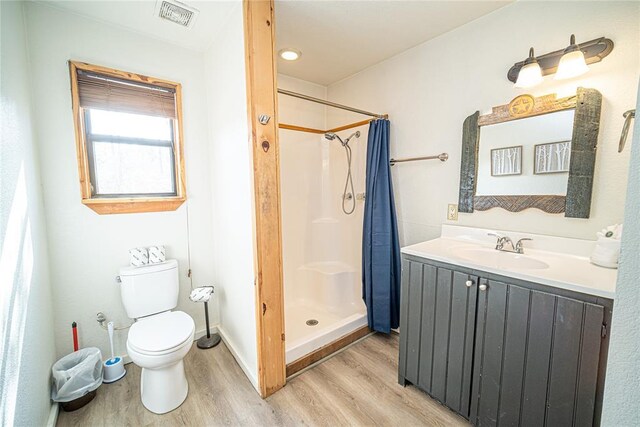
<point x="331" y="104"/>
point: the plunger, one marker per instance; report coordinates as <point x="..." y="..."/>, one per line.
<point x="74" y="331"/>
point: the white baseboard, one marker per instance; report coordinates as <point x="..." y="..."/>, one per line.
<point x="243" y="365"/>
<point x="53" y="414"/>
<point x="196" y="336"/>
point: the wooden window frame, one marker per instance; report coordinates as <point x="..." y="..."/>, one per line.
<point x="119" y="205"/>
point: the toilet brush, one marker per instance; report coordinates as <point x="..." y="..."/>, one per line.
<point x="114" y="367"/>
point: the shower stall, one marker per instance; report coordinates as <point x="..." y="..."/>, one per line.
<point x="322" y="202"/>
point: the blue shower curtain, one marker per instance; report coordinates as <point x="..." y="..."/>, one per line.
<point x="380" y="247"/>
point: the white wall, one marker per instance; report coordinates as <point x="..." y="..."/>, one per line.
<point x="230" y="169"/>
<point x="27" y="345"/>
<point x="622" y="387"/>
<point x="429" y="90"/>
<point x="87" y="249"/>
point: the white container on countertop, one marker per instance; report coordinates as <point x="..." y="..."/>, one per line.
<point x="607" y="250"/>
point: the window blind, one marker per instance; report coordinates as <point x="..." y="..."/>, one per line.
<point x="105" y="92"/>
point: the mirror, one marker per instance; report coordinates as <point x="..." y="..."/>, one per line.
<point x="526" y="157"/>
<point x="532" y="153"/>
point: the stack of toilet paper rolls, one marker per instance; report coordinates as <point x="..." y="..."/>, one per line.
<point x="143" y="256"/>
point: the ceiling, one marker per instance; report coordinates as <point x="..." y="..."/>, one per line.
<point x="140" y="16"/>
<point x="339" y="38"/>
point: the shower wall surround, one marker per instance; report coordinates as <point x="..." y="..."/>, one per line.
<point x="430" y="89"/>
<point x="321" y="244"/>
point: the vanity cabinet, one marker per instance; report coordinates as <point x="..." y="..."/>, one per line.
<point x="501" y="351"/>
<point x="438" y="317"/>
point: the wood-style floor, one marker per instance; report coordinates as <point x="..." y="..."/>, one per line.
<point x="356" y="387"/>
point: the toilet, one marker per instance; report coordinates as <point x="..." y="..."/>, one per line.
<point x="160" y="338"/>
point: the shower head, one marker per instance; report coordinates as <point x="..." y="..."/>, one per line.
<point x="356" y="134"/>
<point x="331" y="136"/>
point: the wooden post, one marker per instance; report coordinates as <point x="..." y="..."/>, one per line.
<point x="259" y="33"/>
<point x="468" y="169"/>
<point x="584" y="143"/>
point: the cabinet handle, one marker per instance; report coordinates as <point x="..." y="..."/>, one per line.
<point x="469" y="283"/>
<point x="483" y="287"/>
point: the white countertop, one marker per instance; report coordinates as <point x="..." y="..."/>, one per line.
<point x="568" y="265"/>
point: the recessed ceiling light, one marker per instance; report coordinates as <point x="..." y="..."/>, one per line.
<point x="290" y="54"/>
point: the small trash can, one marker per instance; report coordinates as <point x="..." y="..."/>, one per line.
<point x="76" y="377"/>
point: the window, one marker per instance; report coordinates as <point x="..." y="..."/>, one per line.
<point x="128" y="138"/>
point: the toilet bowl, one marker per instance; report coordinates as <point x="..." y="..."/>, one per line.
<point x="158" y="344"/>
<point x="160" y="338"/>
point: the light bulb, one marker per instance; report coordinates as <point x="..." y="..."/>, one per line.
<point x="530" y="74"/>
<point x="572" y="63"/>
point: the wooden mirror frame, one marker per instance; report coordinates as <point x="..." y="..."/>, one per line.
<point x="586" y="125"/>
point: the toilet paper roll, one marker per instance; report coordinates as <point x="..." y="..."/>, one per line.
<point x="156" y="254"/>
<point x="138" y="257"/>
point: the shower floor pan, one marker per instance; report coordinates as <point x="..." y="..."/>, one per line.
<point x="304" y="335"/>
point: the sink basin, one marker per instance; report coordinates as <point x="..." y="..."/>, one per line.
<point x="499" y="259"/>
<point x="564" y="265"/>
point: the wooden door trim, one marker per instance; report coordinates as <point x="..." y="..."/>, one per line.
<point x="259" y="35"/>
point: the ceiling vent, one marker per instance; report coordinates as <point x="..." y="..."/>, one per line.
<point x="177" y="12"/>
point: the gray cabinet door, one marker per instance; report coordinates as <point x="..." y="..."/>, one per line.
<point x="536" y="358"/>
<point x="438" y="308"/>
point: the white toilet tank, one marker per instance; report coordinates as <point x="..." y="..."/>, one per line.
<point x="149" y="289"/>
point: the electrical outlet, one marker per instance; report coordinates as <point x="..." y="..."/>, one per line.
<point x="452" y="213"/>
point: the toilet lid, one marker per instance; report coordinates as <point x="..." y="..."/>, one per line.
<point x="161" y="332"/>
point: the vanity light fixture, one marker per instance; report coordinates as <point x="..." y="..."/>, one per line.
<point x="577" y="57"/>
<point x="289" y="54"/>
<point x="572" y="63"/>
<point x="530" y="74"/>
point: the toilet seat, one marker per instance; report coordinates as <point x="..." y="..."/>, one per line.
<point x="161" y="333"/>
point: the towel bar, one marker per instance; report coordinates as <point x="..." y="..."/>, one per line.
<point x="443" y="157"/>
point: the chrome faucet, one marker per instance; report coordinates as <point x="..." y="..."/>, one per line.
<point x="517" y="248"/>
